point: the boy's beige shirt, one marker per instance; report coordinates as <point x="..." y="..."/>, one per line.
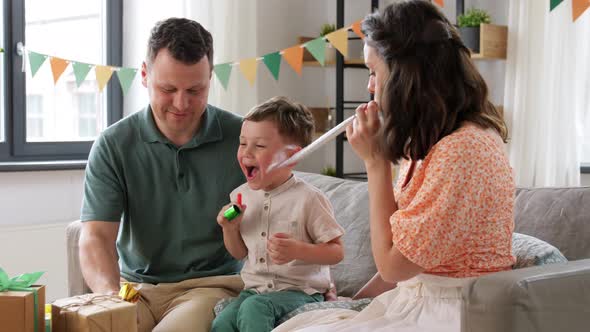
<point x="295" y="208"/>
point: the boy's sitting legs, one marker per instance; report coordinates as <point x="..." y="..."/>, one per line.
<point x="183" y="306"/>
<point x="260" y="312"/>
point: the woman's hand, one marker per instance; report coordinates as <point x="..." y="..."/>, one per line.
<point x="362" y="134"/>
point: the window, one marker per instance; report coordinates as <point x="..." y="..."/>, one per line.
<point x="89" y="124"/>
<point x="2" y="70"/>
<point x="45" y="120"/>
<point x="584" y="129"/>
<point x="34" y="117"/>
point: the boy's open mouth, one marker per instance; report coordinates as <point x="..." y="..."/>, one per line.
<point x="251" y="172"/>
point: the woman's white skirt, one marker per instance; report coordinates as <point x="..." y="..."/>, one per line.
<point x="423" y="303"/>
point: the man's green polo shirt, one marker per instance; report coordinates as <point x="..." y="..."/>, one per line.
<point x="166" y="197"/>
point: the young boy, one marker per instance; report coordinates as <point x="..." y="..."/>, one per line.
<point x="286" y="229"/>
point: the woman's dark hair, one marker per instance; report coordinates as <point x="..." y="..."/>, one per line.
<point x="433" y="86"/>
<point x="186" y="40"/>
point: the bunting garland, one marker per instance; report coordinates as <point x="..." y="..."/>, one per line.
<point x="126" y="76"/>
<point x="223" y="71"/>
<point x="356" y="27"/>
<point x="58" y="66"/>
<point x="339" y="39"/>
<point x="103" y="75"/>
<point x="317" y="48"/>
<point x="554" y="3"/>
<point x="273" y="63"/>
<point x="81" y="70"/>
<point x="36" y="60"/>
<point x="248" y="68"/>
<point x="293" y="56"/>
<point x="578" y="7"/>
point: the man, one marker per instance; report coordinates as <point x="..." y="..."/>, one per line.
<point x="154" y="183"/>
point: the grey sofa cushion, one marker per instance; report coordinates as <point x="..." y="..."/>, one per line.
<point x="548" y="298"/>
<point x="530" y="251"/>
<point x="356" y="305"/>
<point x="350" y="200"/>
<point x="560" y="216"/>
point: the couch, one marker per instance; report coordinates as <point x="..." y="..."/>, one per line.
<point x="540" y="298"/>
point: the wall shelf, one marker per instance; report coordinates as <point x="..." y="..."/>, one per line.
<point x="493" y="40"/>
<point x="349" y="62"/>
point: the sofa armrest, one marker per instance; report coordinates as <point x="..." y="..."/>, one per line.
<point x="552" y="297"/>
<point x="76" y="283"/>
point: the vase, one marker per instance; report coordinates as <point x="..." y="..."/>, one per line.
<point x="470" y="37"/>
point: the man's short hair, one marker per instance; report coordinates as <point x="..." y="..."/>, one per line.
<point x="185" y="39"/>
<point x="293" y="120"/>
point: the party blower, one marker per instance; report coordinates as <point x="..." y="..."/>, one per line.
<point x="325" y="138"/>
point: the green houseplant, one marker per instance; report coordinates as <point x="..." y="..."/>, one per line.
<point x="325" y="29"/>
<point x="329" y="171"/>
<point x="469" y="27"/>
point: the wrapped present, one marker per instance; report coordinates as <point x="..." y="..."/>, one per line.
<point x="21" y="303"/>
<point x="129" y="293"/>
<point x="93" y="313"/>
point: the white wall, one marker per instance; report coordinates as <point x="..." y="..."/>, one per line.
<point x="35" y="208"/>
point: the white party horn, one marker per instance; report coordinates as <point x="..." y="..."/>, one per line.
<point x="325" y="138"/>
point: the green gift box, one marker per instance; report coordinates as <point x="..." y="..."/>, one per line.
<point x="22" y="303"/>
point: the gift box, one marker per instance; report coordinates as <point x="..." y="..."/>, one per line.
<point x="21" y="303"/>
<point x="93" y="313"/>
<point x="18" y="310"/>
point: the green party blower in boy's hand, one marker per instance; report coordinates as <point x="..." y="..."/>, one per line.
<point x="233" y="210"/>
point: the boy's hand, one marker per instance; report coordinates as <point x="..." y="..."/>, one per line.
<point x="282" y="249"/>
<point x="234" y="224"/>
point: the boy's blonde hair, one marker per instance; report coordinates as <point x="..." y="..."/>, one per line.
<point x="293" y="120"/>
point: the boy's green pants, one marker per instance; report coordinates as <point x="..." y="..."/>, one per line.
<point x="253" y="312"/>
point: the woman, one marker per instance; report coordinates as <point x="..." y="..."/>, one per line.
<point x="449" y="218"/>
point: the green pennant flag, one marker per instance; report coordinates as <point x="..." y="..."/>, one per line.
<point x="80" y="71"/>
<point x="317" y="48"/>
<point x="554" y="3"/>
<point x="273" y="63"/>
<point x="36" y="60"/>
<point x="223" y="71"/>
<point x="126" y="76"/>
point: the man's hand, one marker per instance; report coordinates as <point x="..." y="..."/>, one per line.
<point x="282" y="249"/>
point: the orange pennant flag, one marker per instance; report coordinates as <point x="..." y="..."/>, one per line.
<point x="58" y="66"/>
<point x="294" y="57"/>
<point x="248" y="69"/>
<point x="103" y="75"/>
<point x="356" y="27"/>
<point x="339" y="39"/>
<point x="578" y="8"/>
<point x="441" y="3"/>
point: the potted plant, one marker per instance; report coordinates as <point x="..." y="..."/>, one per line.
<point x="325" y="29"/>
<point x="469" y="27"/>
<point x="329" y="171"/>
